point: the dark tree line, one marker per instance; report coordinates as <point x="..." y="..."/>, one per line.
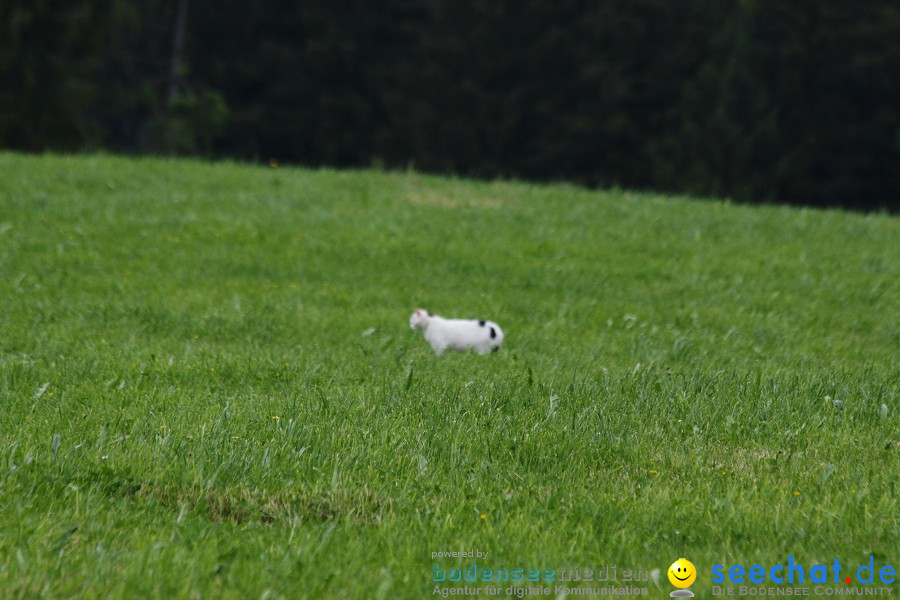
<point x="760" y="100"/>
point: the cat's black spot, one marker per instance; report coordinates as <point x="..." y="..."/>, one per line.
<point x="429" y="314"/>
<point x="481" y="323"/>
<point x="493" y="333"/>
<point x="496" y="349"/>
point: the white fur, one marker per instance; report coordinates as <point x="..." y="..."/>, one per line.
<point x="457" y="334"/>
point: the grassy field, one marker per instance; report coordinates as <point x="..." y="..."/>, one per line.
<point x="209" y="387"/>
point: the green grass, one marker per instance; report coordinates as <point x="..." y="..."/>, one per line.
<point x="209" y="388"/>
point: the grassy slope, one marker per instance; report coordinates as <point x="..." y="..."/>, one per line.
<point x="196" y="336"/>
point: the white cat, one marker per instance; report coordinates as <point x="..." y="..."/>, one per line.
<point x="457" y="334"/>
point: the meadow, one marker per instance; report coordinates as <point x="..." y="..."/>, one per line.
<point x="209" y="387"/>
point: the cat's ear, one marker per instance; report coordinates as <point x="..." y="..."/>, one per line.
<point x="418" y="312"/>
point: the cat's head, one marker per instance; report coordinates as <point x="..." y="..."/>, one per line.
<point x="419" y="319"/>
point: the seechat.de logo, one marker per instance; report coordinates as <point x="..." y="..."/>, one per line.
<point x="794" y="573"/>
